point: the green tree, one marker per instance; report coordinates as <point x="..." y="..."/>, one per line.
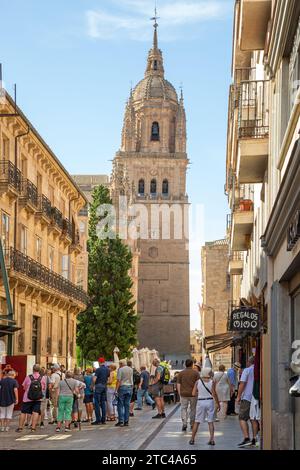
<point x="110" y="319"/>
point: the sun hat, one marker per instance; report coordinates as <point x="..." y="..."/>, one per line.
<point x="56" y="366"/>
<point x="237" y="365"/>
<point x="205" y="372"/>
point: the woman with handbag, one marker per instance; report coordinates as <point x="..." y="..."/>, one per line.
<point x="205" y="391"/>
<point x="68" y="390"/>
<point x="223" y="390"/>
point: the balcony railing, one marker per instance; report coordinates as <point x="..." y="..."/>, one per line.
<point x="10" y="175"/>
<point x="236" y="256"/>
<point x="29" y="267"/>
<point x="253" y="110"/>
<point x="67" y="228"/>
<point x="29" y="192"/>
<point x="45" y="206"/>
<point x="57" y="217"/>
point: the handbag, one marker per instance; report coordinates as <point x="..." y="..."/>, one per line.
<point x="75" y="397"/>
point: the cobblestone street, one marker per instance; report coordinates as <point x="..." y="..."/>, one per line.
<point x="142" y="434"/>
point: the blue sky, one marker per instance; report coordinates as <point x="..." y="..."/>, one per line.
<point x="74" y="61"/>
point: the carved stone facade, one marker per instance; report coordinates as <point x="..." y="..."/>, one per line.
<point x="150" y="169"/>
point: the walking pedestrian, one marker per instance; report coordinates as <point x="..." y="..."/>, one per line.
<point x="111" y="391"/>
<point x="56" y="376"/>
<point x="205" y="391"/>
<point x="100" y="391"/>
<point x="88" y="394"/>
<point x="8" y="398"/>
<point x="124" y="390"/>
<point x="244" y="398"/>
<point x="143" y="388"/>
<point x="136" y="383"/>
<point x="67" y="388"/>
<point x="157" y="389"/>
<point x="233" y="377"/>
<point x="185" y="385"/>
<point x="223" y="390"/>
<point x="34" y="387"/>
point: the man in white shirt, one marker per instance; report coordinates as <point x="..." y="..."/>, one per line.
<point x="244" y="398"/>
<point x="55" y="379"/>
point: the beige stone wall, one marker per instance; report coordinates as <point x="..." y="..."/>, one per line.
<point x="216" y="295"/>
<point x="36" y="246"/>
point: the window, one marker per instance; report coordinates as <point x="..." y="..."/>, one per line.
<point x="155" y="131"/>
<point x="65" y="266"/>
<point x="5" y="148"/>
<point x="24" y="166"/>
<point x="81" y="227"/>
<point x="155" y="65"/>
<point x="51" y="258"/>
<point x="38" y="249"/>
<point x="142" y="186"/>
<point x="51" y="195"/>
<point x="23" y="240"/>
<point x="153" y="187"/>
<point x="21" y="335"/>
<point x="80" y="276"/>
<point x="39" y="183"/>
<point x="5" y="222"/>
<point x="165" y="187"/>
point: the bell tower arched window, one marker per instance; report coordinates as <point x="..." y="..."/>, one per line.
<point x="155" y="131"/>
<point x="165" y="187"/>
<point x="141" y="186"/>
<point x="153" y="186"/>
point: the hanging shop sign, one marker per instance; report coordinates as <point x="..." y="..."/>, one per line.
<point x="293" y="233"/>
<point x="245" y="319"/>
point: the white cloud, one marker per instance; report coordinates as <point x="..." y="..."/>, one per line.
<point x="132" y="17"/>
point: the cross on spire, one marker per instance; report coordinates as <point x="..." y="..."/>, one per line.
<point x="155" y="18"/>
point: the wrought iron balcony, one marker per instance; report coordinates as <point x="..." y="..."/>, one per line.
<point x="253" y="109"/>
<point x="57" y="218"/>
<point x="32" y="269"/>
<point x="44" y="207"/>
<point x="10" y="177"/>
<point x="29" y="194"/>
<point x="67" y="228"/>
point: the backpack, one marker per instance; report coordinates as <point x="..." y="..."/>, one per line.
<point x="35" y="391"/>
<point x="165" y="376"/>
<point x="136" y="377"/>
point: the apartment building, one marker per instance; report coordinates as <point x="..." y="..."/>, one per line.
<point x="39" y="203"/>
<point x="263" y="187"/>
<point x="214" y="310"/>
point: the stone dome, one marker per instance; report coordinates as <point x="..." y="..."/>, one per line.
<point x="154" y="86"/>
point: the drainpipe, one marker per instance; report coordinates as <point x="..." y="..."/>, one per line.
<point x="69" y="263"/>
<point x="10" y="341"/>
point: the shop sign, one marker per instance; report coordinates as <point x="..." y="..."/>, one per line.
<point x="245" y="319"/>
<point x="293" y="234"/>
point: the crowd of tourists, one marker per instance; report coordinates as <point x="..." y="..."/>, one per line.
<point x="113" y="392"/>
<point x="107" y="393"/>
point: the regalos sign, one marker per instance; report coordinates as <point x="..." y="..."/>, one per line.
<point x="245" y="319"/>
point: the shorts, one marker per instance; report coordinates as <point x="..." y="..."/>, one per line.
<point x="77" y="405"/>
<point x="29" y="407"/>
<point x="88" y="398"/>
<point x="6" y="412"/>
<point x="254" y="410"/>
<point x="205" y="411"/>
<point x="156" y="390"/>
<point x="133" y="396"/>
<point x="244" y="414"/>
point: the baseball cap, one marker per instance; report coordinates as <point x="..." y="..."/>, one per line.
<point x="101" y="360"/>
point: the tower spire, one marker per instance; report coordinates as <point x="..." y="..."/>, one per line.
<point x="155" y="26"/>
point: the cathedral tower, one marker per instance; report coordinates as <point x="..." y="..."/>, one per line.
<point x="150" y="169"/>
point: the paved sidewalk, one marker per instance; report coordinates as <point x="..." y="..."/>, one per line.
<point x="227" y="436"/>
<point x="107" y="437"/>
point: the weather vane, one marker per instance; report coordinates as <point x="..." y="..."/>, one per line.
<point x="155" y="17"/>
